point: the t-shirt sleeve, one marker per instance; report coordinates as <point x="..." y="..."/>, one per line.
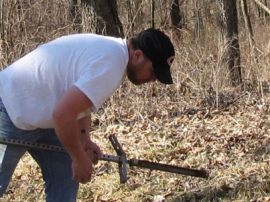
<point x="100" y="82"/>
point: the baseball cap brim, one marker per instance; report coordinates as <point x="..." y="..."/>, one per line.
<point x="163" y="73"/>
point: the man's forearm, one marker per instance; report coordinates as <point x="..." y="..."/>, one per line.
<point x="68" y="132"/>
<point x="84" y="125"/>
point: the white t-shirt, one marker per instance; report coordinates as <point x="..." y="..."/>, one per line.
<point x="31" y="86"/>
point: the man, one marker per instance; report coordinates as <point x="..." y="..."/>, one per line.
<point x="47" y="96"/>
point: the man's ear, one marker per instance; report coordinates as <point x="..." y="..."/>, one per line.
<point x="138" y="56"/>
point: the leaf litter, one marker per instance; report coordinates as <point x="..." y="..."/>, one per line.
<point x="231" y="142"/>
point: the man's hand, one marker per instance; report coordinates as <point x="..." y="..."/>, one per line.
<point x="91" y="148"/>
<point x="93" y="151"/>
<point x="82" y="168"/>
<point x="67" y="128"/>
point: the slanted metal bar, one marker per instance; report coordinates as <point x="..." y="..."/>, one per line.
<point x="116" y="145"/>
<point x="122" y="164"/>
<point x="168" y="168"/>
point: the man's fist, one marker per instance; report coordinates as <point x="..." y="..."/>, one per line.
<point x="93" y="151"/>
<point x="82" y="168"/>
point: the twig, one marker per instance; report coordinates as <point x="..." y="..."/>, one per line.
<point x="267" y="10"/>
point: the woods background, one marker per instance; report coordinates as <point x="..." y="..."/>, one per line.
<point x="216" y="112"/>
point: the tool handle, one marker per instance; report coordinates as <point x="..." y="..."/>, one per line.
<point x="111" y="158"/>
<point x="116" y="145"/>
<point x="168" y="168"/>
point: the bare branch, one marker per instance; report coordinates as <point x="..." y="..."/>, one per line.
<point x="267" y="10"/>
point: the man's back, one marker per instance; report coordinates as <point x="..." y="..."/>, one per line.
<point x="31" y="86"/>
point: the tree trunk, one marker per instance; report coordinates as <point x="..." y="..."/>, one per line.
<point x="130" y="16"/>
<point x="229" y="32"/>
<point x="198" y="21"/>
<point x="176" y="17"/>
<point x="249" y="28"/>
<point x="107" y="20"/>
<point x="11" y="18"/>
<point x="2" y="31"/>
<point x="153" y="13"/>
<point x="2" y="35"/>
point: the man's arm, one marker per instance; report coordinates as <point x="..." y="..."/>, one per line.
<point x="90" y="147"/>
<point x="68" y="131"/>
<point x="85" y="124"/>
<point x="84" y="127"/>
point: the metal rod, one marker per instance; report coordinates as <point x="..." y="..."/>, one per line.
<point x="168" y="168"/>
<point x="112" y="158"/>
<point x="31" y="145"/>
<point x="53" y="148"/>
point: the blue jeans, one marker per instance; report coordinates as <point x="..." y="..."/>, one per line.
<point x="55" y="166"/>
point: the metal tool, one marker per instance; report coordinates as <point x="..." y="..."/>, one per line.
<point x="121" y="158"/>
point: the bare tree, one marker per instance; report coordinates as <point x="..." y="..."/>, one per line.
<point x="198" y="20"/>
<point x="263" y="10"/>
<point x="263" y="6"/>
<point x="153" y="13"/>
<point x="106" y="15"/>
<point x="229" y="31"/>
<point x="11" y="18"/>
<point x="176" y="16"/>
<point x="130" y="16"/>
<point x="249" y="28"/>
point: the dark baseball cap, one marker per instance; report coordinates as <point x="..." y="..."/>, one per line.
<point x="158" y="47"/>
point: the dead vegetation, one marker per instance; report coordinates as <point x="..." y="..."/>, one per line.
<point x="199" y="122"/>
<point x="231" y="143"/>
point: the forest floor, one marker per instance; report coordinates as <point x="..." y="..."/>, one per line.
<point x="231" y="142"/>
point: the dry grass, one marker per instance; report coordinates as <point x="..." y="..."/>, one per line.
<point x="199" y="122"/>
<point x="232" y="144"/>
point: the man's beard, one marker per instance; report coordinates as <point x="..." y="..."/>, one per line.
<point x="131" y="74"/>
